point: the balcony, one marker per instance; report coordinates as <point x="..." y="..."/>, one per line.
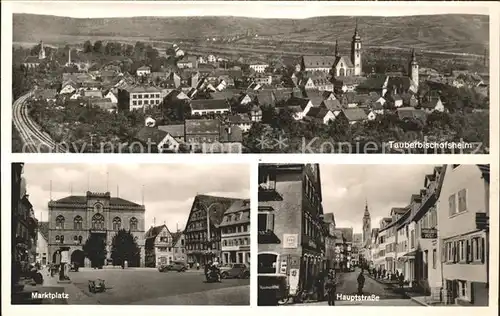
<point x="267" y="192"/>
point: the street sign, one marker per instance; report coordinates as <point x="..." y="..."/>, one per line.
<point x="428" y="233"/>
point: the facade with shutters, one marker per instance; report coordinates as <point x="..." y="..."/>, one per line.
<point x="463" y="240"/>
<point x="73" y="219"/>
<point x="291" y="232"/>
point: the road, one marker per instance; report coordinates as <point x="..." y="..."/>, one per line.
<point x="348" y="287"/>
<point x="150" y="287"/>
<point x="34" y="140"/>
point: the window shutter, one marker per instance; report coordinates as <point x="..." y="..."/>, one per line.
<point x="468" y="248"/>
<point x="270" y="222"/>
<point x="450" y="205"/>
<point x="455" y="251"/>
<point x="483" y="253"/>
<point x="444" y="252"/>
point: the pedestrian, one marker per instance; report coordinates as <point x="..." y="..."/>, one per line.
<point x="361" y="283"/>
<point x="320" y="286"/>
<point x="401" y="280"/>
<point x="331" y="287"/>
<point x="197" y="266"/>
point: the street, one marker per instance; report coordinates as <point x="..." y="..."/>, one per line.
<point x="348" y="285"/>
<point x="144" y="286"/>
<point x="150" y="287"/>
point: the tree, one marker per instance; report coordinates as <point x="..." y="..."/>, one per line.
<point x="98" y="47"/>
<point x="95" y="250"/>
<point x="125" y="248"/>
<point x="87" y="47"/>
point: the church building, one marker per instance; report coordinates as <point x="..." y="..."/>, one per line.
<point x="337" y="65"/>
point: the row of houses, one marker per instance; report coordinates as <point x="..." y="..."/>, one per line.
<point x="223" y="234"/>
<point x="439" y="241"/>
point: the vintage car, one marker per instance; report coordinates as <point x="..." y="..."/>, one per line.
<point x="178" y="266"/>
<point x="235" y="271"/>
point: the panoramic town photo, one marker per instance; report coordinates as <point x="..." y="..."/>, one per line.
<point x="170" y="77"/>
<point x="129" y="235"/>
<point x="373" y="235"/>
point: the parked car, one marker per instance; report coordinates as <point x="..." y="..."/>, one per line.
<point x="178" y="266"/>
<point x="236" y="271"/>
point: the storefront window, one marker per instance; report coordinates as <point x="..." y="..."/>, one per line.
<point x="267" y="262"/>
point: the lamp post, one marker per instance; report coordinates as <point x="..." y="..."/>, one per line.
<point x="209" y="239"/>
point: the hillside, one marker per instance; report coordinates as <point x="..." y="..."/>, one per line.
<point x="470" y="33"/>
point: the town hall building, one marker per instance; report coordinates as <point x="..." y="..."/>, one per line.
<point x="73" y="219"/>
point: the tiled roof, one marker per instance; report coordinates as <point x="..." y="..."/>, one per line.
<point x="154" y="231"/>
<point x="318" y="113"/>
<point x="332" y="105"/>
<point x="202" y="126"/>
<point x="151" y="134"/>
<point x="224" y="94"/>
<point x="140" y="89"/>
<point x="81" y="199"/>
<point x="216" y="213"/>
<point x="347" y="233"/>
<point x="209" y="104"/>
<point x="300" y="102"/>
<point x="354" y="114"/>
<point x="409" y="112"/>
<point x="318" y="61"/>
<point x="176" y="236"/>
<point x="329" y="218"/>
<point x="176" y="130"/>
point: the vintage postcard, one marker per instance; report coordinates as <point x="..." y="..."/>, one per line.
<point x="363" y="235"/>
<point x="96" y="236"/>
<point x="177" y="77"/>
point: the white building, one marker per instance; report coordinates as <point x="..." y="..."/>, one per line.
<point x="258" y="67"/>
<point x="142" y="97"/>
<point x="235" y="233"/>
<point x="143" y="71"/>
<point x="464" y="200"/>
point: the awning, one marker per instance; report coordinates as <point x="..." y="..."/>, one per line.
<point x="268" y="237"/>
<point x="411" y="254"/>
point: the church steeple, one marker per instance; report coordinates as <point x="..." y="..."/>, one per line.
<point x="367" y="225"/>
<point x="413" y="71"/>
<point x="356" y="51"/>
<point x="41" y="53"/>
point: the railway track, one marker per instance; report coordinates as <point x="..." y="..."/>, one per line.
<point x="34" y="140"/>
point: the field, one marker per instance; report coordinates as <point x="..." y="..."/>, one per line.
<point x="449" y="33"/>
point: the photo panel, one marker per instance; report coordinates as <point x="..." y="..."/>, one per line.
<point x="373" y="235"/>
<point x="302" y="77"/>
<point x="128" y="234"/>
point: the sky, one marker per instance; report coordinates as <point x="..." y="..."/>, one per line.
<point x="169" y="189"/>
<point x="346" y="189"/>
<point x="264" y="9"/>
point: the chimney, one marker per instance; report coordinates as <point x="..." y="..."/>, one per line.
<point x="69" y="56"/>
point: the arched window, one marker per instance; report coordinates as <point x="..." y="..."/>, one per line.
<point x="117" y="223"/>
<point x="61" y="239"/>
<point x="133" y="223"/>
<point x="77" y="222"/>
<point x="98" y="222"/>
<point x="57" y="239"/>
<point x="80" y="239"/>
<point x="75" y="238"/>
<point x="60" y="222"/>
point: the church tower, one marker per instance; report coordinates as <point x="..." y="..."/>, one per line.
<point x="356" y="51"/>
<point x="367" y="225"/>
<point x="414" y="68"/>
<point x="41" y="53"/>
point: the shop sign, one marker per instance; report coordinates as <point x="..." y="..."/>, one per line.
<point x="291" y="241"/>
<point x="293" y="281"/>
<point x="429" y="233"/>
